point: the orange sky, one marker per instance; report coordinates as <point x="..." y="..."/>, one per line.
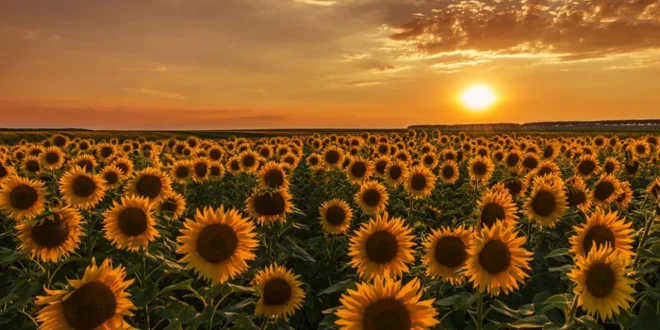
<point x="210" y="64"/>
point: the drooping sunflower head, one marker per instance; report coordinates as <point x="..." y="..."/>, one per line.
<point x="495" y="206"/>
<point x="547" y="202"/>
<point x="601" y="284"/>
<point x="606" y="190"/>
<point x="446" y="253"/>
<point x="382" y="247"/>
<point x="272" y="175"/>
<point x="31" y="166"/>
<point x="359" y="170"/>
<point x="267" y="207"/>
<point x="151" y="183"/>
<point x="626" y="196"/>
<point x="335" y="216"/>
<point x="112" y="176"/>
<point x="130" y="225"/>
<point x="98" y="301"/>
<point x="217" y="244"/>
<point x="52" y="238"/>
<point x="603" y="228"/>
<point x="420" y="181"/>
<point x="498" y="262"/>
<point x="173" y="205"/>
<point x="52" y="158"/>
<point x="279" y="291"/>
<point x="372" y="197"/>
<point x="82" y="189"/>
<point x="200" y="169"/>
<point x="653" y="190"/>
<point x="386" y="304"/>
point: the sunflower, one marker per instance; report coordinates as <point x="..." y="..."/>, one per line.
<point x="249" y="161"/>
<point x="200" y="169"/>
<point x="98" y="301"/>
<point x="31" y="166"/>
<point x="640" y="148"/>
<point x="606" y="190"/>
<point x="22" y="198"/>
<point x="625" y="197"/>
<point x="448" y="172"/>
<point x="333" y="157"/>
<point x="272" y="175"/>
<point x="396" y="172"/>
<point x="602" y="287"/>
<point x="314" y="161"/>
<point x="105" y="151"/>
<point x="54" y="237"/>
<point x="587" y="166"/>
<point x="577" y="195"/>
<point x="81" y="189"/>
<point x="130" y="225"/>
<point x="279" y="290"/>
<point x="217" y="244"/>
<point x="480" y="169"/>
<point x="430" y="160"/>
<point x="495" y="206"/>
<point x="372" y="197"/>
<point x="386" y="304"/>
<point x="530" y="161"/>
<point x="149" y="182"/>
<point x="6" y="171"/>
<point x="125" y="165"/>
<point x="382" y="247"/>
<point x="653" y="190"/>
<point x="335" y="216"/>
<point x="87" y="162"/>
<point x="216" y="171"/>
<point x="233" y="165"/>
<point x="446" y="253"/>
<point x="602" y="229"/>
<point x="497" y="261"/>
<point x="59" y="140"/>
<point x="420" y="181"/>
<point x="611" y="165"/>
<point x="547" y="203"/>
<point x="52" y="158"/>
<point x="181" y="171"/>
<point x="359" y="170"/>
<point x="267" y="207"/>
<point x="512" y="159"/>
<point x="632" y="168"/>
<point x="546" y="167"/>
<point x="173" y="205"/>
<point x="112" y="176"/>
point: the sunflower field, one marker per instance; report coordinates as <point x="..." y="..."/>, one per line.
<point x="404" y="230"/>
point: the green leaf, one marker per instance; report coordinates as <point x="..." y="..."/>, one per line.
<point x="297" y="251"/>
<point x="503" y="309"/>
<point x="532" y="322"/>
<point x="242" y="321"/>
<point x="557" y="301"/>
<point x="183" y="285"/>
<point x="337" y="287"/>
<point x="238" y="288"/>
<point x="589" y="322"/>
<point x="557" y="253"/>
<point x="561" y="269"/>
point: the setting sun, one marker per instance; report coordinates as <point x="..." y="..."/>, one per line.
<point x="478" y="97"/>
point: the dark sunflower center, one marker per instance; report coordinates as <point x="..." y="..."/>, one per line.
<point x="23" y="197"/>
<point x="395" y="172"/>
<point x="491" y="213"/>
<point x="111" y="177"/>
<point x="600" y="280"/>
<point x="382" y="247"/>
<point x="383" y="149"/>
<point x="609" y="167"/>
<point x="530" y="162"/>
<point x="632" y="168"/>
<point x="235" y="166"/>
<point x="495" y="257"/>
<point x="418" y="182"/>
<point x="371" y="197"/>
<point x="335" y="215"/>
<point x="52" y="158"/>
<point x="386" y="314"/>
<point x="544" y="203"/>
<point x="106" y="152"/>
<point x="586" y="167"/>
<point x="603" y="190"/>
<point x="50" y="234"/>
<point x="313" y="161"/>
<point x="548" y="151"/>
<point x="168" y="205"/>
<point x="544" y="171"/>
<point x="86" y="165"/>
<point x="640" y="149"/>
<point x="359" y="169"/>
<point x="269" y="205"/>
<point x="450" y="252"/>
<point x="215" y="154"/>
<point x="290" y="160"/>
<point x="249" y="160"/>
<point x="123" y="167"/>
<point x="380" y="166"/>
<point x="182" y="172"/>
<point x="201" y="169"/>
<point x="575" y="197"/>
<point x="499" y="156"/>
<point x="512" y="160"/>
<point x="149" y="186"/>
<point x="3" y="171"/>
<point x="448" y="172"/>
<point x="215" y="170"/>
<point x="277" y="291"/>
<point x="83" y="146"/>
<point x="600" y="235"/>
<point x="83" y="186"/>
<point x="428" y="160"/>
<point x="89" y="306"/>
<point x="32" y="166"/>
<point x="274" y="178"/>
<point x="479" y="168"/>
<point x="59" y="141"/>
<point x="132" y="221"/>
<point x="217" y="243"/>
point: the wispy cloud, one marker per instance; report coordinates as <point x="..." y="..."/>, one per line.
<point x="155" y="93"/>
<point x="318" y="2"/>
<point x="366" y="83"/>
<point x="31" y="34"/>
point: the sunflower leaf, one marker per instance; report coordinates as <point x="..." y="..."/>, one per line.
<point x="532" y="322"/>
<point x="337" y="287"/>
<point x="557" y="253"/>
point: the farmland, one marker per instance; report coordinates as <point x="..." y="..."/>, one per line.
<point x="397" y="229"/>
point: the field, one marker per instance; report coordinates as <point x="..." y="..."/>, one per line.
<point x="416" y="229"/>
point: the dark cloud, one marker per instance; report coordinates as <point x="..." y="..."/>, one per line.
<point x="572" y="30"/>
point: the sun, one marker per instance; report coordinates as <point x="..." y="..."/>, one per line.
<point x="478" y="97"/>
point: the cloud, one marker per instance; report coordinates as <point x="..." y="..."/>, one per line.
<point x="155" y="93"/>
<point x="31" y="34"/>
<point x="318" y="2"/>
<point x="570" y="30"/>
<point x="641" y="64"/>
<point x="365" y="83"/>
<point x="389" y="68"/>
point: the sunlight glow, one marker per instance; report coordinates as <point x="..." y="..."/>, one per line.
<point x="478" y="97"/>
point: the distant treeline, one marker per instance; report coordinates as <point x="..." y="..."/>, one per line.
<point x="600" y="125"/>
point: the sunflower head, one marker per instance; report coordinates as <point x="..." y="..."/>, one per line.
<point x="200" y="169"/>
<point x="495" y="206"/>
<point x="31" y="166"/>
<point x="480" y="169"/>
<point x="359" y="170"/>
<point x="547" y="202"/>
<point x="130" y="225"/>
<point x="272" y="175"/>
<point x="606" y="190"/>
<point x="372" y="197"/>
<point x="396" y="172"/>
<point x="603" y="228"/>
<point x="52" y="238"/>
<point x="279" y="290"/>
<point x="82" y="189"/>
<point x="150" y="183"/>
<point x="112" y="176"/>
<point x="446" y="251"/>
<point x="86" y="162"/>
<point x="173" y="205"/>
<point x="269" y="206"/>
<point x="22" y="198"/>
<point x="335" y="216"/>
<point x="52" y="158"/>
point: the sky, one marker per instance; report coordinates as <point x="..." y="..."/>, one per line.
<point x="238" y="64"/>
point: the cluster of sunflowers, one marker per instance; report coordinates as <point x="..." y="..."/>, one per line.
<point x="222" y="208"/>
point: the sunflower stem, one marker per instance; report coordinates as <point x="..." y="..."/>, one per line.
<point x="215" y="307"/>
<point x="642" y="240"/>
<point x="144" y="274"/>
<point x="570" y="317"/>
<point x="480" y="311"/>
